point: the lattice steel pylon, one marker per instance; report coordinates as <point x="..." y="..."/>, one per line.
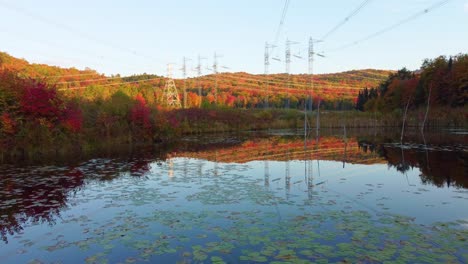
<point x="288" y="67"/>
<point x="184" y="76"/>
<point x="199" y="72"/>
<point x="215" y="72"/>
<point x="267" y="65"/>
<point x="268" y="47"/>
<point x="170" y="91"/>
<point x="311" y="73"/>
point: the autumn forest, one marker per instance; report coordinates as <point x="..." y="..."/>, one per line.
<point x="69" y="109"/>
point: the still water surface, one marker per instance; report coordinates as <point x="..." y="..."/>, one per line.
<point x="244" y="199"/>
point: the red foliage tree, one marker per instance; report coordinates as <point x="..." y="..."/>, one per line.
<point x="230" y="100"/>
<point x="72" y="118"/>
<point x="40" y="101"/>
<point x="140" y="113"/>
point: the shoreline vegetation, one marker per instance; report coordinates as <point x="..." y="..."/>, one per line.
<point x="40" y="116"/>
<point x="50" y="146"/>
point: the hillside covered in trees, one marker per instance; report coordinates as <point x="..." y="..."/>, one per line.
<point x="441" y="82"/>
<point x="47" y="106"/>
<point x="240" y="90"/>
<point x="52" y="107"/>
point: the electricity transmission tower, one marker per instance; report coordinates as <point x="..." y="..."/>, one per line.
<point x="215" y="71"/>
<point x="199" y="73"/>
<point x="288" y="66"/>
<point x="312" y="53"/>
<point x="170" y="90"/>
<point x="267" y="66"/>
<point x="311" y="68"/>
<point x="184" y="74"/>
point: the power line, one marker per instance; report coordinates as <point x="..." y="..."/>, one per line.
<point x="251" y="78"/>
<point x="391" y="27"/>
<point x="306" y="87"/>
<point x="340" y="90"/>
<point x="281" y="24"/>
<point x="345" y="93"/>
<point x="284" y="84"/>
<point x="327" y="86"/>
<point x="97" y="80"/>
<point x="346" y="19"/>
<point x="73" y="75"/>
<point x="83" y="52"/>
<point x="90" y="80"/>
<point x="260" y="79"/>
<point x="110" y="84"/>
<point x="299" y="91"/>
<point x="70" y="29"/>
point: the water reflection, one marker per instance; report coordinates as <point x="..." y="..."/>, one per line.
<point x="37" y="195"/>
<point x="440" y="164"/>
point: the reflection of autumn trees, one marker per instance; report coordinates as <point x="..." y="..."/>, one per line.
<point x="443" y="162"/>
<point x="440" y="168"/>
<point x="282" y="149"/>
<point x="38" y="195"/>
<point x="36" y="198"/>
<point x="437" y="167"/>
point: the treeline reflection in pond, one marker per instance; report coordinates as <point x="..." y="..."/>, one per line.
<point x="36" y="194"/>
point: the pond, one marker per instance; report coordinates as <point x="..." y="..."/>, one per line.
<point x="273" y="197"/>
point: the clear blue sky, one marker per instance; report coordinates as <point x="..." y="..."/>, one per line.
<point x="127" y="37"/>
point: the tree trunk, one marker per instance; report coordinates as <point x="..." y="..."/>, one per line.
<point x="427" y="108"/>
<point x="404" y="121"/>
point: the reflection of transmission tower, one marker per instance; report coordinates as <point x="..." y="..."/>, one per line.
<point x="310" y="178"/>
<point x="288" y="174"/>
<point x="267" y="165"/>
<point x="267" y="173"/>
<point x="170" y="91"/>
<point x="216" y="164"/>
<point x="308" y="171"/>
<point x="171" y="169"/>
<point x="186" y="163"/>
<point x="200" y="167"/>
<point x="345" y="139"/>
